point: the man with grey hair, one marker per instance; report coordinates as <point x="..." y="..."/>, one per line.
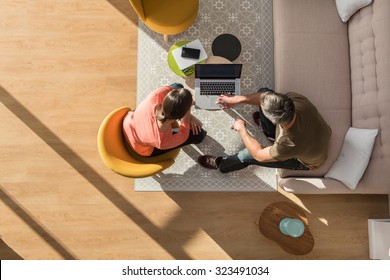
<point x="302" y="143"/>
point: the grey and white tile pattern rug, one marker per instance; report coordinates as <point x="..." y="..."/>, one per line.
<point x="251" y="22"/>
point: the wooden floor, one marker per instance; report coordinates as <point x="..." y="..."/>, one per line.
<point x="64" y="65"/>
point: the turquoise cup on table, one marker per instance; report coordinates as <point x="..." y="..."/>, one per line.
<point x="292" y="227"/>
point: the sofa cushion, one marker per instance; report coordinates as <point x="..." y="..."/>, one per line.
<point x="370" y="71"/>
<point x="313" y="59"/>
<point x="354" y="156"/>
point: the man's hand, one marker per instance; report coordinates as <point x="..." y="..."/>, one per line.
<point x="226" y="101"/>
<point x="238" y="124"/>
<point x="254" y="147"/>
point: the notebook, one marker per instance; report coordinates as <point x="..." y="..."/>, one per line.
<point x="182" y="62"/>
<point x="212" y="80"/>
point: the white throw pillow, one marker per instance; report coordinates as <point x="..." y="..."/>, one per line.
<point x="347" y="8"/>
<point x="354" y="156"/>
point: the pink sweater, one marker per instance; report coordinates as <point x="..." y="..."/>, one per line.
<point x="141" y="129"/>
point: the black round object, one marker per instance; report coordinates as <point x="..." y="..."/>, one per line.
<point x="227" y="46"/>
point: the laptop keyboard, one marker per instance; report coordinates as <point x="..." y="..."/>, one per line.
<point x="217" y="88"/>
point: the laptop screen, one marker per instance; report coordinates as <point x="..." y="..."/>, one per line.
<point x="218" y="71"/>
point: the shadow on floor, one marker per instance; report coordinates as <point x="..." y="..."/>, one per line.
<point x="6" y="252"/>
<point x="125" y="8"/>
<point x="95" y="179"/>
<point x="39" y="229"/>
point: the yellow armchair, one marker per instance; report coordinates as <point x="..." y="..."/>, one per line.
<point x="167" y="17"/>
<point x="118" y="158"/>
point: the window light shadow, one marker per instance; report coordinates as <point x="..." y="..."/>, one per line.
<point x="89" y="174"/>
<point x="295" y="199"/>
<point x="40" y="230"/>
<point x="7" y="253"/>
<point x="125" y="8"/>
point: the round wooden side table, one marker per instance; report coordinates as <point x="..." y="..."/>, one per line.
<point x="269" y="226"/>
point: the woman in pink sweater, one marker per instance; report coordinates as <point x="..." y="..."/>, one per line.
<point x="148" y="129"/>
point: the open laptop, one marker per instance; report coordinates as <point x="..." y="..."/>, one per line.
<point x="212" y="80"/>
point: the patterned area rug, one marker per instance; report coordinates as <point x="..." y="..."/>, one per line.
<point x="251" y="22"/>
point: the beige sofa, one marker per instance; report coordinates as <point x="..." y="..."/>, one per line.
<point x="344" y="69"/>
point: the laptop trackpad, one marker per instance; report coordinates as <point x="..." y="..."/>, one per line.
<point x="207" y="103"/>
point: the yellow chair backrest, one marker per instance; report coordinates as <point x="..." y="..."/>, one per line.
<point x="167" y="17"/>
<point x="117" y="157"/>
